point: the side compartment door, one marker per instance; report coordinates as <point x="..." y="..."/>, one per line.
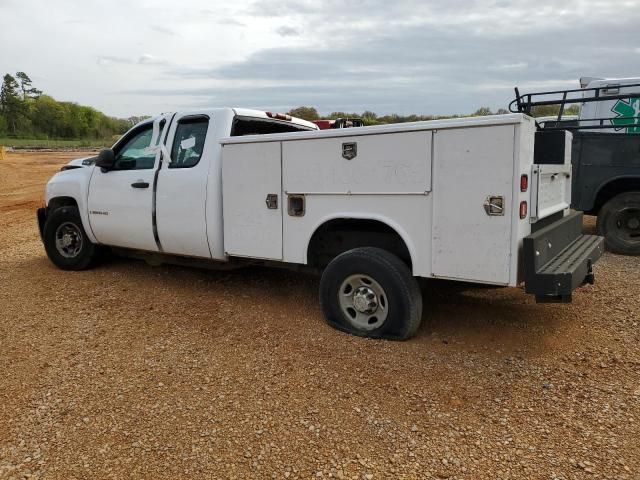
<point x="121" y="200"/>
<point x="181" y="191"/>
<point x="472" y="167"/>
<point x="252" y="200"/>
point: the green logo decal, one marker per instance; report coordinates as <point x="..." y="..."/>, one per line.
<point x="628" y="113"/>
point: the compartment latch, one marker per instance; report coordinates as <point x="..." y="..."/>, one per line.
<point x="272" y="201"/>
<point x="494" y="205"/>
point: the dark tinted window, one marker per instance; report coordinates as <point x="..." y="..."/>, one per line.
<point x="188" y="142"/>
<point x="262" y="126"/>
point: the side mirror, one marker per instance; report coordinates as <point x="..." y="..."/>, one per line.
<point x="106" y="159"/>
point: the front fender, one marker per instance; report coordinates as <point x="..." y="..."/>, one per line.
<point x="74" y="184"/>
<point x="619" y="182"/>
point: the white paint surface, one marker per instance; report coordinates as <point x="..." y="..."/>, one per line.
<point x="181" y="199"/>
<point x="471" y="165"/>
<point x="250" y="173"/>
<point x="120" y="214"/>
<point x="392" y="163"/>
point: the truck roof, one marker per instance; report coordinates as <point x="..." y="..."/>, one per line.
<point x="592" y="82"/>
<point x="509" y="119"/>
<point x="245" y="112"/>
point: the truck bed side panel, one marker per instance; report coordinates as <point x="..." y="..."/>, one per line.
<point x="408" y="215"/>
<point x="388" y="180"/>
<point x="389" y="163"/>
<point x="387" y="176"/>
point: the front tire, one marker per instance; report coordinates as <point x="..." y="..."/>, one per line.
<point x="619" y="223"/>
<point x="66" y="242"/>
<point x="370" y="292"/>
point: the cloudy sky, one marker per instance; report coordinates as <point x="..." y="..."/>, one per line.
<point x="403" y="56"/>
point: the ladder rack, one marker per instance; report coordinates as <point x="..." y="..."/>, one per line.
<point x="525" y="103"/>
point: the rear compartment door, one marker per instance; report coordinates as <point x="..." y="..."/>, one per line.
<point x="473" y="167"/>
<point x="252" y="200"/>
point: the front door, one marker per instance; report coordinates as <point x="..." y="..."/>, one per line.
<point x="121" y="199"/>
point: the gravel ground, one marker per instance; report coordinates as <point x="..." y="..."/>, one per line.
<point x="133" y="371"/>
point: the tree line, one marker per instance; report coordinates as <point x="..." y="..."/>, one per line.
<point x="25" y="112"/>
<point x="371" y="118"/>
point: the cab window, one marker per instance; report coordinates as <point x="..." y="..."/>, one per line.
<point x="188" y="143"/>
<point x="261" y="126"/>
<point x="135" y="154"/>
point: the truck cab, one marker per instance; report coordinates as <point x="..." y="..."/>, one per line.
<point x="620" y="114"/>
<point x="116" y="198"/>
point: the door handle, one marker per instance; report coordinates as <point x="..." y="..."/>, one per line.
<point x="140" y="185"/>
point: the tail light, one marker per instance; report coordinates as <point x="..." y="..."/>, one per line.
<point x="523" y="210"/>
<point x="524" y="182"/>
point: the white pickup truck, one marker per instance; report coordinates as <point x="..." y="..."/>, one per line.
<point x="371" y="208"/>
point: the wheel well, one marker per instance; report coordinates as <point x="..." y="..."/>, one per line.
<point x="58" y="202"/>
<point x="339" y="235"/>
<point x="613" y="188"/>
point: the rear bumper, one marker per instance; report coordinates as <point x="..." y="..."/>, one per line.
<point x="42" y="218"/>
<point x="559" y="258"/>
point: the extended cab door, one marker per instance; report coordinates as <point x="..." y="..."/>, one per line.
<point x="121" y="199"/>
<point x="182" y="186"/>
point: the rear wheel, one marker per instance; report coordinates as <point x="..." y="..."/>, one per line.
<point x="371" y="293"/>
<point x="619" y="223"/>
<point x="65" y="240"/>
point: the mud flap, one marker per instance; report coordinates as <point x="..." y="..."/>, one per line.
<point x="42" y="218"/>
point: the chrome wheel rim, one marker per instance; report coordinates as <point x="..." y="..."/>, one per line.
<point x="363" y="302"/>
<point x="68" y="240"/>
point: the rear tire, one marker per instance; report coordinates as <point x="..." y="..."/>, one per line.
<point x="370" y="292"/>
<point x="66" y="242"/>
<point x="619" y="223"/>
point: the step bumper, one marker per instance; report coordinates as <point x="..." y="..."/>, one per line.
<point x="559" y="258"/>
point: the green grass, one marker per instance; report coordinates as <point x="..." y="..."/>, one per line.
<point x="27" y="143"/>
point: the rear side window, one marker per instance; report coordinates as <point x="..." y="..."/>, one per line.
<point x="188" y="142"/>
<point x="261" y="126"/>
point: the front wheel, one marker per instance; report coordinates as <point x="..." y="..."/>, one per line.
<point x="619" y="223"/>
<point x="371" y="293"/>
<point x="65" y="240"/>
